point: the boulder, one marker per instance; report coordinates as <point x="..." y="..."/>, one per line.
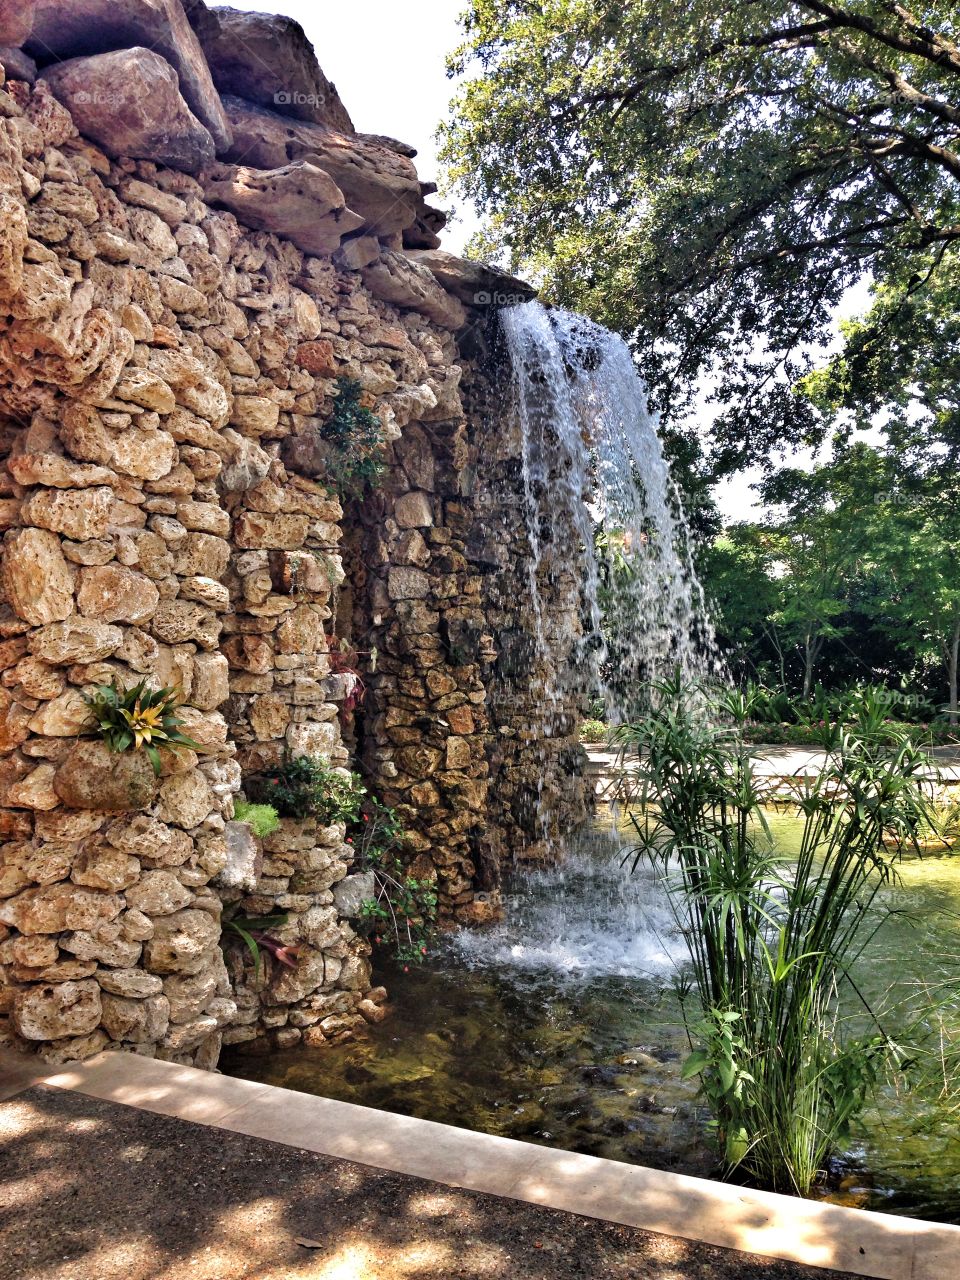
<point x="16" y="20"/>
<point x="129" y="103"/>
<point x="266" y="58"/>
<point x="474" y="283"/>
<point x="61" y="31"/>
<point x="397" y="279"/>
<point x="378" y="184"/>
<point x="52" y="1010"/>
<point x="244" y="859"/>
<point x="351" y="892"/>
<point x="94" y="777"/>
<point x="37" y="581"/>
<point x="184" y="942"/>
<point x="17" y="65"/>
<point x="299" y="201"/>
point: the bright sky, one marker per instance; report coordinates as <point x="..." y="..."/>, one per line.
<point x="388" y="63"/>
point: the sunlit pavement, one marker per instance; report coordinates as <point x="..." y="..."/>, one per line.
<point x="126" y="1167"/>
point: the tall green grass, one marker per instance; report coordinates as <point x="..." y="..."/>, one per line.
<point x="771" y="944"/>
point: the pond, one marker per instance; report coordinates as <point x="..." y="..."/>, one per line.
<point x="562" y="1026"/>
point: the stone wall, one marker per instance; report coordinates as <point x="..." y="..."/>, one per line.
<point x="535" y="681"/>
<point x="184" y="275"/>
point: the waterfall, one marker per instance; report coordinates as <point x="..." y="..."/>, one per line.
<point x="602" y="514"/>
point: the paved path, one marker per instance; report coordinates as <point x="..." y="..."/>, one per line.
<point x="774" y="760"/>
<point x="124" y="1168"/>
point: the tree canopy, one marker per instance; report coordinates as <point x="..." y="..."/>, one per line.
<point x="709" y="178"/>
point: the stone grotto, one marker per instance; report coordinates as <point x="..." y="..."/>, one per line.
<point x="198" y="254"/>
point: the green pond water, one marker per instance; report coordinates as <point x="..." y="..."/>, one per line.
<point x="561" y="1026"/>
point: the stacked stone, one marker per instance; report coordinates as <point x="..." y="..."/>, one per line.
<point x="535" y="698"/>
<point x="110" y="927"/>
<point x="425" y="723"/>
<point x="173" y="323"/>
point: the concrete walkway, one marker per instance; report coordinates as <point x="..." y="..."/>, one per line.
<point x="127" y="1167"/>
<point x="776" y="760"/>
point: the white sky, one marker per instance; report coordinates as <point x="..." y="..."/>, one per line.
<point x="387" y="60"/>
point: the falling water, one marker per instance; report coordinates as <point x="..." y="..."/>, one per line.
<point x="600" y="505"/>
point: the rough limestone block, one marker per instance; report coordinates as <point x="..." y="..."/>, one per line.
<point x="52" y="1010"/>
<point x="93" y="777"/>
<point x="53" y="908"/>
<point x="114" y="593"/>
<point x="414" y="510"/>
<point x="66" y="30"/>
<point x="128" y="102"/>
<point x="299" y="201"/>
<point x="397" y="279"/>
<point x="182" y="943"/>
<point x="37" y="580"/>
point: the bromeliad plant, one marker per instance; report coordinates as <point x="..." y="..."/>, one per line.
<point x="771" y="944"/>
<point x="137" y="719"/>
<point x="253" y="932"/>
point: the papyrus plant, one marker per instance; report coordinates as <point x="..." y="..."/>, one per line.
<point x="771" y="941"/>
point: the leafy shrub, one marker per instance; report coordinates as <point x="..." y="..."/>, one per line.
<point x="593" y="731"/>
<point x="355" y="438"/>
<point x="138" y="718"/>
<point x="262" y="818"/>
<point x="403" y="910"/>
<point x="306" y="787"/>
<point x="770" y="943"/>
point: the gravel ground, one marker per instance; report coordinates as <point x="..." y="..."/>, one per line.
<point x="90" y="1190"/>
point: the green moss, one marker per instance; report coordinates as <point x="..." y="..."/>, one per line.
<point x="262" y="818"/>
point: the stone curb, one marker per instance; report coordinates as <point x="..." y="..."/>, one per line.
<point x="776" y="1226"/>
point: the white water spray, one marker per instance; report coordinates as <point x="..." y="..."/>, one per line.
<point x="600" y="505"/>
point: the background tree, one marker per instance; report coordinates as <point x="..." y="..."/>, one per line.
<point x="708" y="178"/>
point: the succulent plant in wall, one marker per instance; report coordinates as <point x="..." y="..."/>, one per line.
<point x="138" y="719"/>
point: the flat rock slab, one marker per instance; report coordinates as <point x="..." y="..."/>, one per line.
<point x="299" y="201"/>
<point x="99" y="1191"/>
<point x="379" y="184"/>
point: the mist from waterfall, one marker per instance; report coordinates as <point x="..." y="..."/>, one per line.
<point x="600" y="504"/>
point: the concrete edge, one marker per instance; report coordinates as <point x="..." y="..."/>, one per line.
<point x="866" y="1243"/>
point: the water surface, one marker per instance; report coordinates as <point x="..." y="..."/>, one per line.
<point x="562" y="1026"/>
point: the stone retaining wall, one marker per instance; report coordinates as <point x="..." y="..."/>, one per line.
<point x="172" y="325"/>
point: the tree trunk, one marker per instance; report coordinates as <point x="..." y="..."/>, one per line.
<point x="811" y="648"/>
<point x="952" y="666"/>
